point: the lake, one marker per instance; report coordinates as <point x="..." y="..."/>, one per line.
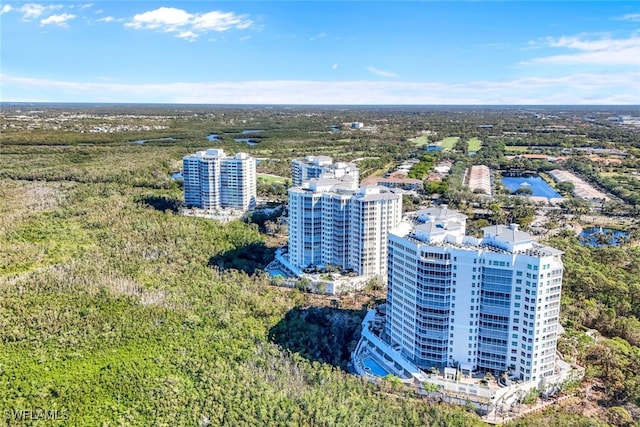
<point x="142" y="141"/>
<point x="214" y="137"/>
<point x="538" y="185"/>
<point x="600" y="236"/>
<point x="248" y="141"/>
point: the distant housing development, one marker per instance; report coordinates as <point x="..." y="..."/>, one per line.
<point x="480" y="179"/>
<point x="213" y="180"/>
<point x="458" y="306"/>
<point x="581" y="188"/>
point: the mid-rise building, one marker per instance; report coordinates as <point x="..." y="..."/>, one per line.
<point x="332" y="224"/>
<point x="486" y="304"/>
<point x="213" y="180"/>
<point x="316" y="166"/>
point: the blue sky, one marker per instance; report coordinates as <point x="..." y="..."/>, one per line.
<point x="321" y="52"/>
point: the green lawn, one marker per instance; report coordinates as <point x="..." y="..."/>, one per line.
<point x="449" y="142"/>
<point x="474" y="145"/>
<point x="420" y="140"/>
<point x="517" y="148"/>
<point x="271" y="178"/>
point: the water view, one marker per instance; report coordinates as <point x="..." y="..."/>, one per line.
<point x="248" y="141"/>
<point x="600" y="236"/>
<point x="215" y="137"/>
<point x="538" y="186"/>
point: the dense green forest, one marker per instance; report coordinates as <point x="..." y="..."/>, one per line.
<point x="117" y="310"/>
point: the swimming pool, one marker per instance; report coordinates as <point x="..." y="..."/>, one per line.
<point x="374" y="368"/>
<point x="538" y="186"/>
<point x="273" y="272"/>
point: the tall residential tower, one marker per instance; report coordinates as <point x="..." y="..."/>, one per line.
<point x="213" y="180"/>
<point x="488" y="304"/>
<point x="332" y="222"/>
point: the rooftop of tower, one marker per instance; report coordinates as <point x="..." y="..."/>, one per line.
<point x="375" y="192"/>
<point x="443" y="227"/>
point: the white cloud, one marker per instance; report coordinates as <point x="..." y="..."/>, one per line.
<point x="58" y="20"/>
<point x="603" y="51"/>
<point x="187" y="35"/>
<point x="220" y="21"/>
<point x="382" y="73"/>
<point x="31" y="10"/>
<point x="6" y="8"/>
<point x="319" y="36"/>
<point x="583" y="88"/>
<point x="166" y="18"/>
<point x="187" y="25"/>
<point x="334" y="67"/>
<point x="106" y="19"/>
<point x="635" y="17"/>
<point x="34" y="10"/>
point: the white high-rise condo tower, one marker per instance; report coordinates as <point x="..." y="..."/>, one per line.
<point x="332" y="222"/>
<point x="489" y="304"/>
<point x="213" y="180"/>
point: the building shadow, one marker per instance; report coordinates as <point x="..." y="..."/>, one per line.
<point x="322" y="334"/>
<point x="247" y="258"/>
<point x="160" y="203"/>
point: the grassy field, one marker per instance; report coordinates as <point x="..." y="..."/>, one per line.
<point x="449" y="142"/>
<point x="474" y="144"/>
<point x="271" y="179"/>
<point x="420" y="140"/>
<point x="516" y="148"/>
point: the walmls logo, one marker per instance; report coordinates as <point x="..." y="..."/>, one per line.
<point x="36" y="414"/>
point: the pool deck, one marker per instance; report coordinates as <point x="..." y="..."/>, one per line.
<point x="488" y="397"/>
<point x="333" y="283"/>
